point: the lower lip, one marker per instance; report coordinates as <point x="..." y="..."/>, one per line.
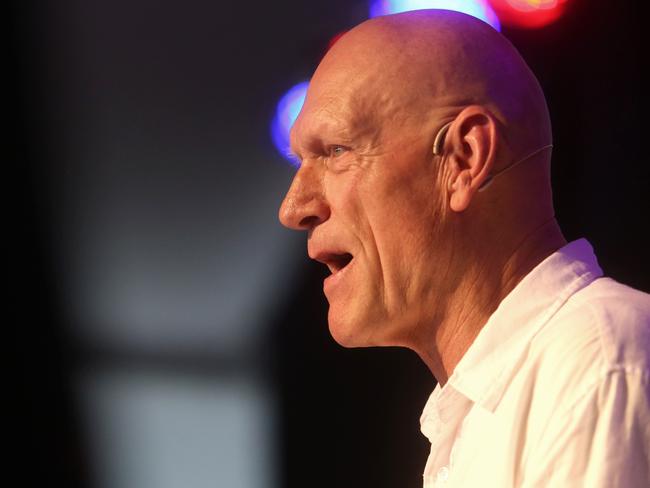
<point x="334" y="280"/>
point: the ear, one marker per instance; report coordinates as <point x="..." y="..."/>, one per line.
<point x="471" y="148"/>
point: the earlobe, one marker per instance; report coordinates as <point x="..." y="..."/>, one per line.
<point x="462" y="192"/>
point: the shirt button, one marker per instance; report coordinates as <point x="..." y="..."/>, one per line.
<point x="443" y="473"/>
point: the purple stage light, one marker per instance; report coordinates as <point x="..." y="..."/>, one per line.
<point x="286" y="113"/>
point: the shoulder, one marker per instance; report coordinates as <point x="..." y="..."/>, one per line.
<point x="612" y="316"/>
<point x="587" y="388"/>
<point x="602" y="329"/>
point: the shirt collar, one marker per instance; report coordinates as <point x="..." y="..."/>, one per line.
<point x="488" y="366"/>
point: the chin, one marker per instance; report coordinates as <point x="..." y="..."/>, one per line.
<point x="342" y="336"/>
<point x="346" y="333"/>
<point x="353" y="332"/>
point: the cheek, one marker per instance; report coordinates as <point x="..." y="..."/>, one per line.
<point x="344" y="193"/>
<point x="405" y="222"/>
<point x="393" y="214"/>
<point x="403" y="208"/>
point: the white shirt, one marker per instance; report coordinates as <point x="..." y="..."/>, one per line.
<point x="555" y="389"/>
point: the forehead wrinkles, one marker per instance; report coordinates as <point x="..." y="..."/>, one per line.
<point x="342" y="116"/>
<point x="354" y="99"/>
<point x="318" y="119"/>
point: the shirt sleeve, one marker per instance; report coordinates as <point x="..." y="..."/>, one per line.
<point x="603" y="441"/>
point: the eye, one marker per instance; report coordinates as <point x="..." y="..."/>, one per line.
<point x="337" y="150"/>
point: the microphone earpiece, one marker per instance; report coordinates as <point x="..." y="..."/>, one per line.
<point x="440" y="139"/>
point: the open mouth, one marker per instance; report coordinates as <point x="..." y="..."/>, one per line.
<point x="336" y="262"/>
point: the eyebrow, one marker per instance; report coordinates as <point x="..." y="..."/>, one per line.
<point x="291" y="152"/>
<point x="322" y="135"/>
<point x="293" y="156"/>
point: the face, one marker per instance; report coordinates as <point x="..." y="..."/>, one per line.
<point x="367" y="193"/>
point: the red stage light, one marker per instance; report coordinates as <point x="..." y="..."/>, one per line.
<point x="528" y="14"/>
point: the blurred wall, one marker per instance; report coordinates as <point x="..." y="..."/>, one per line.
<point x="170" y="332"/>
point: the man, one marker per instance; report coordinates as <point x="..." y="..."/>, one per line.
<point x="424" y="185"/>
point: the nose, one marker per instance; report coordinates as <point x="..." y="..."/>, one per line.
<point x="304" y="206"/>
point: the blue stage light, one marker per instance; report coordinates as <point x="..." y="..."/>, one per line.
<point x="286" y="113"/>
<point x="476" y="8"/>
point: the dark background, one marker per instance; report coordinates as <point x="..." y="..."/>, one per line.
<point x="154" y="81"/>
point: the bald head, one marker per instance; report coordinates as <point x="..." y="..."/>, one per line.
<point x="430" y="64"/>
<point x="403" y="228"/>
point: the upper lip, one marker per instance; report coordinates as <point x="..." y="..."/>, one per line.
<point x="334" y="259"/>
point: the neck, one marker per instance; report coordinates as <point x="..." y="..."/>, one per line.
<point x="492" y="275"/>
